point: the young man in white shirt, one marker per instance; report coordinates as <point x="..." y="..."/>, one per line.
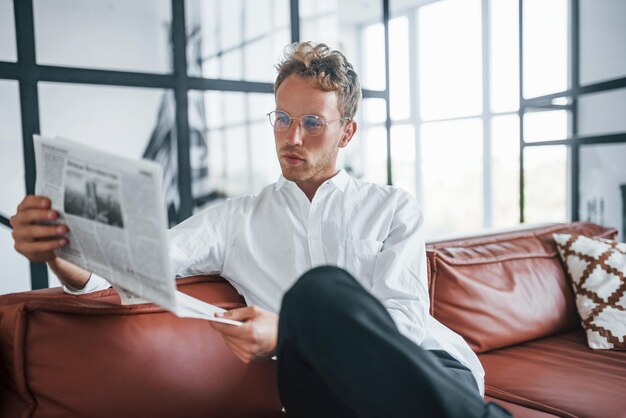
<point x="354" y="339"/>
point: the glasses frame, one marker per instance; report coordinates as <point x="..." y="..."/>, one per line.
<point x="302" y="127"/>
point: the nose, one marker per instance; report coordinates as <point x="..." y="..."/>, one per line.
<point x="293" y="135"/>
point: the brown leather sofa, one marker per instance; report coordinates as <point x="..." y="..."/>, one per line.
<point x="506" y="294"/>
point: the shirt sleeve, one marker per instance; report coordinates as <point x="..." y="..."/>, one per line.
<point x="94" y="284"/>
<point x="198" y="245"/>
<point x="400" y="277"/>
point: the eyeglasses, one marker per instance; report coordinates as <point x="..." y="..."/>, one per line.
<point x="311" y="124"/>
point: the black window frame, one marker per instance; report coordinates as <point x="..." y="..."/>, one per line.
<point x="28" y="74"/>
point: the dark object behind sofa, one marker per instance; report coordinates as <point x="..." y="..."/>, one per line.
<point x="506" y="294"/>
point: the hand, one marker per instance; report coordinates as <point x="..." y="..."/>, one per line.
<point x="253" y="340"/>
<point x="33" y="239"/>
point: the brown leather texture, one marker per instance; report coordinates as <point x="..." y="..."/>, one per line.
<point x="88" y="356"/>
<point x="560" y="375"/>
<point x="520" y="411"/>
<point x="504" y="289"/>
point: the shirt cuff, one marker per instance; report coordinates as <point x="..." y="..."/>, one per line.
<point x="94" y="284"/>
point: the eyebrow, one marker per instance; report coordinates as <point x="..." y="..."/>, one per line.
<point x="306" y="114"/>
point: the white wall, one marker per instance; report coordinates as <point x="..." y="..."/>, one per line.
<point x="602" y="57"/>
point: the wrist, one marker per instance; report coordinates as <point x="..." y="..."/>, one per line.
<point x="69" y="274"/>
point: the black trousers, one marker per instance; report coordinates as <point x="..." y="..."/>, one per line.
<point x="341" y="355"/>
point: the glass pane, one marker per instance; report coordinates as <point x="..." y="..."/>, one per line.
<point x="545" y="184"/>
<point x="504" y="44"/>
<point x="452" y="169"/>
<point x="399" y="84"/>
<point x="234" y="152"/>
<point x="403" y="157"/>
<point x="8" y="50"/>
<point x="545" y="126"/>
<point x="375" y="155"/>
<point x="265" y="166"/>
<point x="602" y="40"/>
<point x="130" y="122"/>
<point x="366" y="155"/>
<point x="114" y="35"/>
<point x="237" y="39"/>
<point x="373" y="74"/>
<point x="450" y="63"/>
<point x="374" y="111"/>
<point x="355" y="30"/>
<point x="603" y="186"/>
<point x="505" y="170"/>
<point x="319" y="21"/>
<point x="15" y="269"/>
<point x="238" y="175"/>
<point x="12" y="155"/>
<point x="602" y="113"/>
<point x="545" y="47"/>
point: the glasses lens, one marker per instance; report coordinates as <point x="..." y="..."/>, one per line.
<point x="313" y="125"/>
<point x="280" y="120"/>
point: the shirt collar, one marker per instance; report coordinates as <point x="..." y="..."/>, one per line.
<point x="340" y="180"/>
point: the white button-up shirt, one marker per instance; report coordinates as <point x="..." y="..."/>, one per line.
<point x="262" y="244"/>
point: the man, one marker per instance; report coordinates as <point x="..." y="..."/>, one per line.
<point x="352" y="340"/>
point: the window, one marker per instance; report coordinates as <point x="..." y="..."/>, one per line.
<point x="130" y="122"/>
<point x="8" y="51"/>
<point x="505" y="170"/>
<point x="602" y="40"/>
<point x="366" y="155"/>
<point x="12" y="155"/>
<point x="113" y="35"/>
<point x="453" y="96"/>
<point x="602" y="113"/>
<point x="545" y="184"/>
<point x="504" y="70"/>
<point x="545" y="126"/>
<point x="340" y="24"/>
<point x="400" y="100"/>
<point x="545" y="47"/>
<point x="449" y="59"/>
<point x="236" y="40"/>
<point x="600" y="198"/>
<point x="452" y="176"/>
<point x="239" y="156"/>
<point x="15" y="268"/>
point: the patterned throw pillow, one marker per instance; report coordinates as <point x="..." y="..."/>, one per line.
<point x="597" y="268"/>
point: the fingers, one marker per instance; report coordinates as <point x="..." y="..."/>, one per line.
<point x="35" y="239"/>
<point x="236" y="339"/>
<point x="243" y="314"/>
<point x="242" y="331"/>
<point x="34" y="202"/>
<point x="36" y="232"/>
<point x="238" y="351"/>
<point x="30" y="216"/>
<point x="40" y="251"/>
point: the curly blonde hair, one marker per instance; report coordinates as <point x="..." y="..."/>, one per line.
<point x="327" y="68"/>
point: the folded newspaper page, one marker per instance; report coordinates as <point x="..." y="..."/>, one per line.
<point x="115" y="212"/>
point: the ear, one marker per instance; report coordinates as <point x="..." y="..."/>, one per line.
<point x="348" y="132"/>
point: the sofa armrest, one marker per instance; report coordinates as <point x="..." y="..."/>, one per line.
<point x="65" y="355"/>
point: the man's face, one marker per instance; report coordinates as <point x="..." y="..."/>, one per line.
<point x="304" y="158"/>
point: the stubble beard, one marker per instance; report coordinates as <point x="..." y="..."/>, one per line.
<point x="307" y="169"/>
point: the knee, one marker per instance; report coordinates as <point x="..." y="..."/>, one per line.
<point x="326" y="283"/>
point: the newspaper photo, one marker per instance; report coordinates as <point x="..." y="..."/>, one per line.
<point x="115" y="212"/>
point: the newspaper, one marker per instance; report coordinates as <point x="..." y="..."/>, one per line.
<point x="115" y="212"/>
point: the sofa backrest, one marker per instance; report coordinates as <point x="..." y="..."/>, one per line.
<point x="86" y="356"/>
<point x="503" y="289"/>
